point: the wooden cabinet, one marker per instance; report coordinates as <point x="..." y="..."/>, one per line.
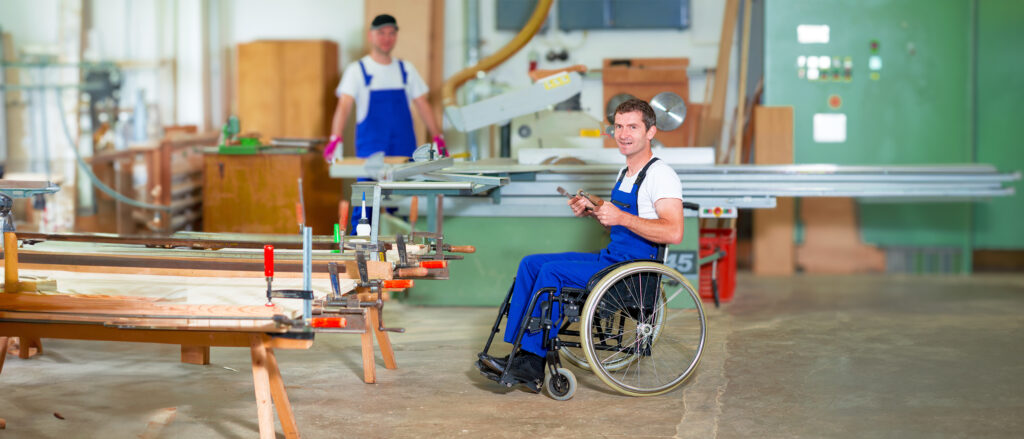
<point x="257" y="193"/>
<point x="645" y="78"/>
<point x="286" y="88"/>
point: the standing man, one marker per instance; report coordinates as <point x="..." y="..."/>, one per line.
<point x="382" y="88"/>
<point x="646" y="210"/>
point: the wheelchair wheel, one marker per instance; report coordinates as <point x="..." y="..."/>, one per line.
<point x="578" y="358"/>
<point x="561" y="386"/>
<point x="660" y="333"/>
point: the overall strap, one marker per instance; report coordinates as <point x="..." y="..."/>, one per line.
<point x="366" y="76"/>
<point x="639" y="178"/>
<point x="405" y="76"/>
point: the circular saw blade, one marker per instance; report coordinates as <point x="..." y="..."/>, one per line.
<point x="613" y="103"/>
<point x="669" y="110"/>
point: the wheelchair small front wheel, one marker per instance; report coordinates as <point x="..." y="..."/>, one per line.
<point x="562" y="385"/>
<point x="658" y="335"/>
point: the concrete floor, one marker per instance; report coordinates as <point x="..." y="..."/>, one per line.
<point x="808" y="356"/>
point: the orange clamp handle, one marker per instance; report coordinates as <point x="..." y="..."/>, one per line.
<point x="328" y="322"/>
<point x="462" y="249"/>
<point x="396" y="283"/>
<point x="268" y="260"/>
<point x="434" y="264"/>
<point x="343" y="210"/>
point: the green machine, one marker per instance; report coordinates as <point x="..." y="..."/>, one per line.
<point x="898" y="82"/>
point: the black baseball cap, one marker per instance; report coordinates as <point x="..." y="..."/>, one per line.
<point x="383" y="20"/>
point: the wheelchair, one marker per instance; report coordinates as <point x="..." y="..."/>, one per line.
<point x="638" y="325"/>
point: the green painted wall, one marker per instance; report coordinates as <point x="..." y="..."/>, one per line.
<point x="483" y="278"/>
<point x="916" y="110"/>
<point x="1000" y="94"/>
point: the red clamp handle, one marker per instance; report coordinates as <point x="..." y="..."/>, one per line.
<point x="268" y="260"/>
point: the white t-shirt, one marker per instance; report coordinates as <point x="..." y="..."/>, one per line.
<point x="661" y="182"/>
<point x="385" y="77"/>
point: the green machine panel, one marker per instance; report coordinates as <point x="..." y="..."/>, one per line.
<point x="878" y="82"/>
<point x="1000" y="92"/>
<point x="483" y="278"/>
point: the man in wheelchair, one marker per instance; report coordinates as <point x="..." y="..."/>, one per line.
<point x="645" y="212"/>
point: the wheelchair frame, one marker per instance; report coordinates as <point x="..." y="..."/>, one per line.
<point x="559" y="382"/>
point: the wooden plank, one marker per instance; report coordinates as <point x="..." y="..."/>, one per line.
<point x="260" y="87"/>
<point x="78" y="331"/>
<point x="280" y="397"/>
<point x="192" y="354"/>
<point x="711" y="130"/>
<point x="261" y="384"/>
<point x="127" y="306"/>
<point x="140" y="264"/>
<point x="772" y="249"/>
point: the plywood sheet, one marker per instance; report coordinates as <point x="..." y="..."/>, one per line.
<point x="773" y="251"/>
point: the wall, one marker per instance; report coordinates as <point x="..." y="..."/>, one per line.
<point x="1000" y="91"/>
<point x="699" y="43"/>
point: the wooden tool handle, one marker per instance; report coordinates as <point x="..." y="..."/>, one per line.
<point x="343" y="210"/>
<point x="414" y="212"/>
<point x="298" y="214"/>
<point x="461" y="249"/>
<point x="412" y="272"/>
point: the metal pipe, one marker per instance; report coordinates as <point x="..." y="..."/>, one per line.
<point x="525" y="34"/>
<point x="307" y="271"/>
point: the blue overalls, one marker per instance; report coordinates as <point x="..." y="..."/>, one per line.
<point x="387" y="126"/>
<point x="574" y="269"/>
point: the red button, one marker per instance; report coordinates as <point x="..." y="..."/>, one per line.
<point x="834" y="101"/>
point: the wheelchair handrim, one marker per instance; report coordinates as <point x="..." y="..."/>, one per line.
<point x="586" y="327"/>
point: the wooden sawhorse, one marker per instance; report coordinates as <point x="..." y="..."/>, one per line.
<point x="267" y="381"/>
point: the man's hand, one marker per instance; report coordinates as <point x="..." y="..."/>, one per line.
<point x="609" y="215"/>
<point x="334" y="149"/>
<point x="581" y="206"/>
<point x="442" y="149"/>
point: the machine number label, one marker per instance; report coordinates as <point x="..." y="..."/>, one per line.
<point x="684" y="262"/>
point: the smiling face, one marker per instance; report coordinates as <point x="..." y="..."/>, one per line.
<point x="631" y="135"/>
<point x="383" y="39"/>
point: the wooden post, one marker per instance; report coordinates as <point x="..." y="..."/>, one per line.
<point x="261" y="384"/>
<point x="3" y="352"/>
<point x="369" y="368"/>
<point x="11" y="284"/>
<point x="281" y="402"/>
<point x="194" y="354"/>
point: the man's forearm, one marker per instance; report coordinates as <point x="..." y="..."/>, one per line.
<point x="427" y="115"/>
<point x="661" y="231"/>
<point x="341" y="115"/>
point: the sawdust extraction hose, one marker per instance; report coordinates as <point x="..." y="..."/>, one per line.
<point x="525" y="34"/>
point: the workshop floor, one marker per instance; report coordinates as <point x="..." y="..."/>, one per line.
<point x="808" y="356"/>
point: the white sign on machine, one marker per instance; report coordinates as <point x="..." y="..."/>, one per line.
<point x="830" y="127"/>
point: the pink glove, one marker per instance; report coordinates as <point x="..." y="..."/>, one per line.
<point x="441" y="148"/>
<point x="332" y="145"/>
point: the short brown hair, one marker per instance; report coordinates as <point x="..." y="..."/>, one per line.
<point x="638" y="105"/>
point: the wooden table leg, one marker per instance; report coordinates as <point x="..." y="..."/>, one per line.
<point x="195" y="354"/>
<point x="382" y="340"/>
<point x="3" y="352"/>
<point x="369" y="368"/>
<point x="280" y="395"/>
<point x="26" y="344"/>
<point x="261" y="382"/>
